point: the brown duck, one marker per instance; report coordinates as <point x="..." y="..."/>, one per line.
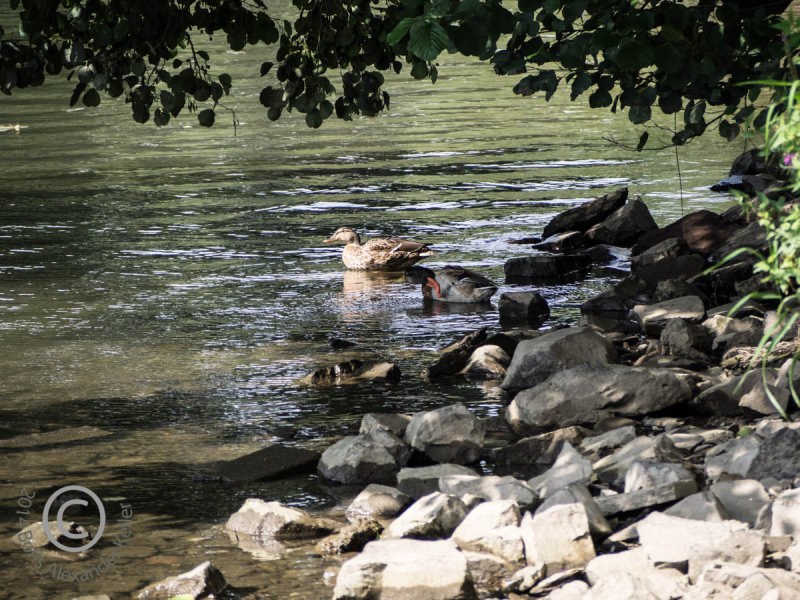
<point x="378" y="254"/>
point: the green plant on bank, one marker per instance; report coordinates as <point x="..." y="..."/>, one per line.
<point x="780" y="216"/>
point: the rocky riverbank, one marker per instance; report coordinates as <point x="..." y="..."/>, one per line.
<point x="637" y="457"/>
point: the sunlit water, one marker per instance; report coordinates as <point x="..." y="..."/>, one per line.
<point x="170" y="286"/>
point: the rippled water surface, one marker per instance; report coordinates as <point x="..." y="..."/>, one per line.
<point x="169" y="286"/>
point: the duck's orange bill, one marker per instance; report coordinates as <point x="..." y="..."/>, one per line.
<point x="432" y="283"/>
<point x="327" y="241"/>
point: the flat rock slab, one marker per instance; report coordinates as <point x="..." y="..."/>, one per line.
<point x="201" y="582"/>
<point x="546" y="268"/>
<point x="421" y="481"/>
<point x="642" y="498"/>
<point x="668" y="539"/>
<point x="406" y="570"/>
<point x="489" y="487"/>
<point x="268" y="463"/>
<point x="587" y="393"/>
<point x="59" y="436"/>
<point x="539" y="450"/>
<point x="654" y="317"/>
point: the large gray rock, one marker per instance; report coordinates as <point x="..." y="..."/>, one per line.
<point x="447" y="435"/>
<point x="668" y="248"/>
<point x="537" y="359"/>
<point x="584" y="216"/>
<point x="488" y="487"/>
<point x="260" y="519"/>
<point x="201" y="582"/>
<point x="377" y="502"/>
<point x="742" y="499"/>
<point x="590" y="392"/>
<point x="674" y="540"/>
<point x="654" y="317"/>
<point x="358" y="459"/>
<point x="786" y="514"/>
<point x="754" y="457"/>
<point x="559" y="537"/>
<point x="546" y="267"/>
<point x="406" y="570"/>
<point x="608" y="441"/>
<point x="527" y="307"/>
<point x="624" y="226"/>
<point x="421" y="481"/>
<point x="431" y="517"/>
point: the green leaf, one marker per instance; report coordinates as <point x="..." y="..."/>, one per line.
<point x="400" y="31"/>
<point x="419" y="70"/>
<point x="91" y="98"/>
<point x="427" y="40"/>
<point x="639" y="113"/>
<point x="161" y="117"/>
<point x="728" y="130"/>
<point x="314" y="119"/>
<point x="669" y="102"/>
<point x="226" y="81"/>
<point x="600" y="98"/>
<point x="141" y="114"/>
<point x="694" y="115"/>
<point x="274" y="113"/>
<point x="76" y="93"/>
<point x="265" y="67"/>
<point x="326" y="109"/>
<point x="206" y="117"/>
<point x="581" y="83"/>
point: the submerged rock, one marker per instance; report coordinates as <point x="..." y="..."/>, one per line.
<point x="271" y="462"/>
<point x="353" y="371"/>
<point x="546" y="267"/>
<point x="528" y="307"/>
<point x="261" y="519"/>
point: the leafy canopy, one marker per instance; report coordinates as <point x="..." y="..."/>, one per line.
<point x="682" y="58"/>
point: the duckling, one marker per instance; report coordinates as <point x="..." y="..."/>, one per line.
<point x="379" y="254"/>
<point x="452" y="284"/>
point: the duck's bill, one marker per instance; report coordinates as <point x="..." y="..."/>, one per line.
<point x="328" y="241"/>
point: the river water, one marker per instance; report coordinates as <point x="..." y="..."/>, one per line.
<point x="169" y="286"/>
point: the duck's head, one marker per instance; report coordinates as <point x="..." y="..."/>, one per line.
<point x="419" y="275"/>
<point x="346" y="235"/>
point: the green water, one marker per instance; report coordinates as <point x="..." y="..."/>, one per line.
<point x="170" y="286"/>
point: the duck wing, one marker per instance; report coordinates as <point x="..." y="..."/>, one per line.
<point x="461" y="275"/>
<point x="397" y="245"/>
